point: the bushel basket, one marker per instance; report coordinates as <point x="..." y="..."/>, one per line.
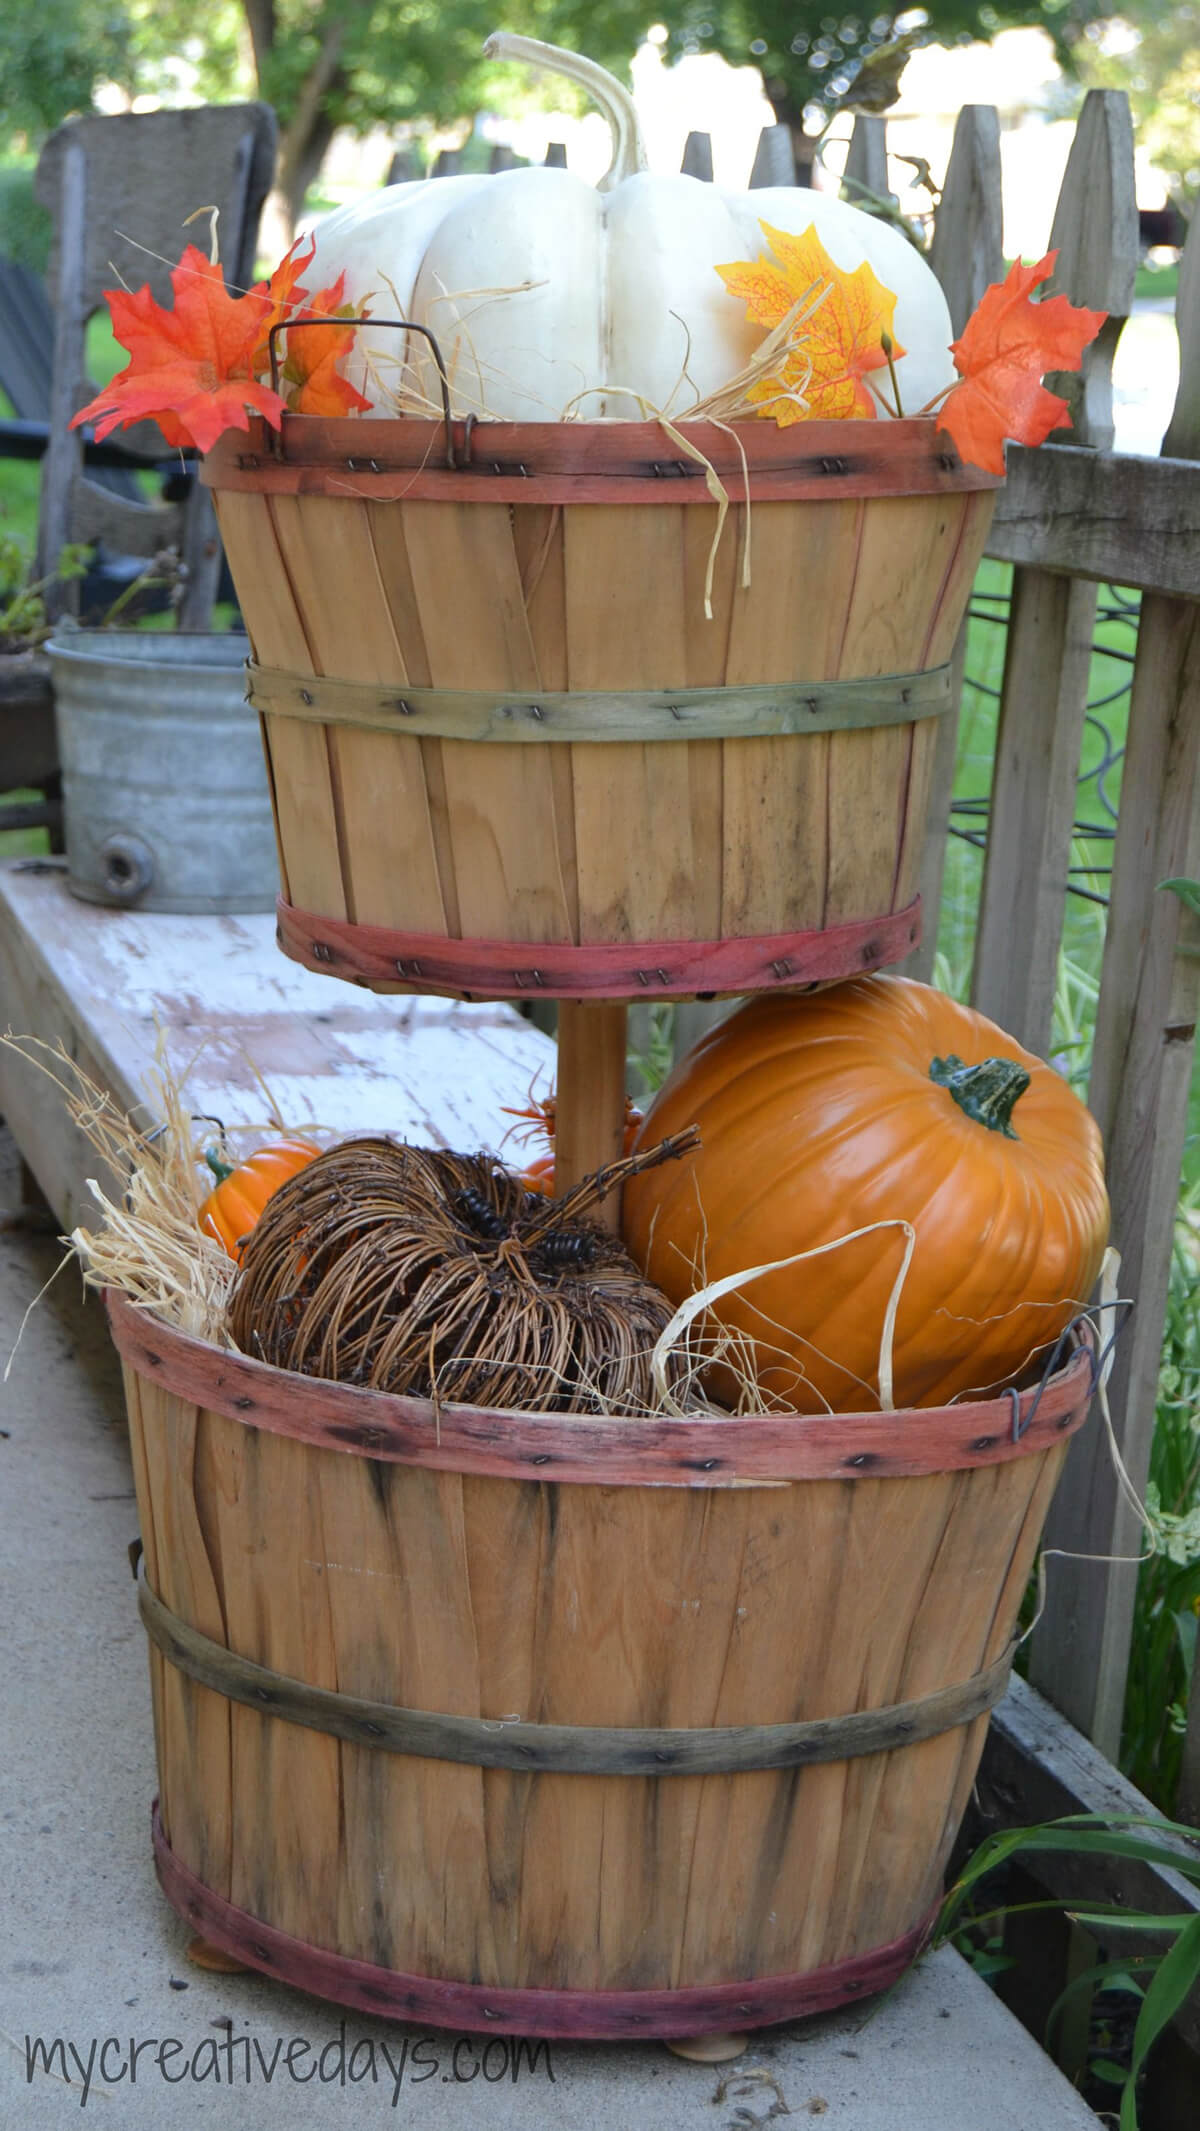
<point x="555" y="1725"/>
<point x="510" y="754"/>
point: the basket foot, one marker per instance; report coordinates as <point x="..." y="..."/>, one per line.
<point x="204" y="1955"/>
<point x="710" y="2049"/>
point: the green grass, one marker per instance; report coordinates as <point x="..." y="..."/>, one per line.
<point x="23" y="843"/>
<point x="1157" y="280"/>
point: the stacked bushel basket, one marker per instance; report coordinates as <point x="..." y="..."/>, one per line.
<point x="617" y="1727"/>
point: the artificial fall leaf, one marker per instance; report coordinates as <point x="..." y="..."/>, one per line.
<point x="194" y="363"/>
<point x="197" y="368"/>
<point x="837" y="343"/>
<point x="1007" y="345"/>
<point x="311" y="359"/>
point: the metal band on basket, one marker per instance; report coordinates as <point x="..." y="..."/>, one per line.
<point x="637" y="715"/>
<point x="567" y="1749"/>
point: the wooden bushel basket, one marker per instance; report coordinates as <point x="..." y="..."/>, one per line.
<point x="555" y="1725"/>
<point x="509" y="753"/>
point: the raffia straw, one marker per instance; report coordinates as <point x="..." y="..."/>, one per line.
<point x="732" y="399"/>
<point x="694" y="1306"/>
<point x="147" y="1243"/>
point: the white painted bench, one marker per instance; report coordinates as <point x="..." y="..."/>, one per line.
<point x="103" y="982"/>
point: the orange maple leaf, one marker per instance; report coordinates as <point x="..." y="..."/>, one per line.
<point x="196" y="369"/>
<point x="1007" y="345"/>
<point x="311" y="358"/>
<point x="193" y="364"/>
<point x="836" y="344"/>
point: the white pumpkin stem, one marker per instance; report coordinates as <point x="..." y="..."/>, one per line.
<point x="629" y="149"/>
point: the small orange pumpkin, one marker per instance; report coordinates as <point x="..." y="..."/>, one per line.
<point x="242" y="1189"/>
<point x="542" y="1112"/>
<point x="877" y="1100"/>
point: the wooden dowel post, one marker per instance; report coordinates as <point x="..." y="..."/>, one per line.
<point x="590" y="1097"/>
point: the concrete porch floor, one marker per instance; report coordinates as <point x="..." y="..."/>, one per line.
<point x="91" y="1949"/>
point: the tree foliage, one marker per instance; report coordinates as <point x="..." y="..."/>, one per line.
<point x="811" y="54"/>
<point x="52" y="55"/>
<point x="1158" y="63"/>
<point x="324" y="64"/>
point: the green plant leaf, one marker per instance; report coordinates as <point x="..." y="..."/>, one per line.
<point x="1114" y="1919"/>
<point x="1176" y="1976"/>
<point x="1114" y="2075"/>
<point x="1105" y="1975"/>
<point x="1187" y="891"/>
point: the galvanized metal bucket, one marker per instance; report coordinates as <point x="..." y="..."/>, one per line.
<point x="164" y="785"/>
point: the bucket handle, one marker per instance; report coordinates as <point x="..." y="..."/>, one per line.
<point x="396" y="325"/>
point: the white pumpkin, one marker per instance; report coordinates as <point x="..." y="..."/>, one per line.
<point x="549" y="295"/>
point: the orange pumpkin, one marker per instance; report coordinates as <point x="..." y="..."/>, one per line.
<point x="242" y="1189"/>
<point x="877" y="1100"/>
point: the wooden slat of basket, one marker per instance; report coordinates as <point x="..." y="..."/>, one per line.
<point x="927" y="737"/>
<point x="299" y="760"/>
<point x="879" y="1619"/>
<point x="538" y="540"/>
<point x="388" y="856"/>
<point x="1008" y="1603"/>
<point x="193" y="1727"/>
<point x="141" y="1482"/>
<point x="788" y="622"/>
<point x="706" y="650"/>
<point x="888" y="1791"/>
<point x="627" y="628"/>
<point x="281" y="1790"/>
<point x="392" y="529"/>
<point x="415" y="1851"/>
<point x="477" y="635"/>
<point x="906" y="548"/>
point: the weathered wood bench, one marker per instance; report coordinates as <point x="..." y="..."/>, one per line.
<point x="938" y="2050"/>
<point x="104" y="983"/>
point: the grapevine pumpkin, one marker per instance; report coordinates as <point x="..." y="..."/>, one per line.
<point x="242" y="1189"/>
<point x="876" y="1101"/>
<point x="551" y="296"/>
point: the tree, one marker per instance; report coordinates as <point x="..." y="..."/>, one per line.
<point x="1154" y="53"/>
<point x="53" y="55"/>
<point x="817" y="58"/>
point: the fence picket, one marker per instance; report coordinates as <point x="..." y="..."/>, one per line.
<point x="697" y="157"/>
<point x="1141" y="1072"/>
<point x="774" y="158"/>
<point x="1044" y="695"/>
<point x="966" y="253"/>
<point x="866" y="170"/>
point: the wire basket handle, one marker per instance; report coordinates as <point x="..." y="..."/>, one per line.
<point x="397" y="325"/>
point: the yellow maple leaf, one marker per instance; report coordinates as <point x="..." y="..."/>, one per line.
<point x="836" y="344"/>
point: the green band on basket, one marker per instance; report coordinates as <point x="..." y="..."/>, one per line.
<point x="569" y="1749"/>
<point x="626" y="715"/>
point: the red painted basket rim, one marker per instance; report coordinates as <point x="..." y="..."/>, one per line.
<point x="475" y="968"/>
<point x="595" y="1450"/>
<point x="568" y="2015"/>
<point x="606" y="461"/>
